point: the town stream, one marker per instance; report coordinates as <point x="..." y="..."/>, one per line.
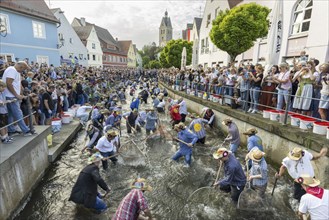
<point x="173" y="185"/>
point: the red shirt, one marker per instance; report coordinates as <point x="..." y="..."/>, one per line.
<point x="174" y="113"/>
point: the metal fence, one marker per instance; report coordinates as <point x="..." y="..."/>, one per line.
<point x="225" y="95"/>
<point x="27" y="116"/>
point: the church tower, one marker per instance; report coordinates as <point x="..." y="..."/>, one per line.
<point x="165" y="30"/>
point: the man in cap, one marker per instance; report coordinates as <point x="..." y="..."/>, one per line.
<point x="186" y="140"/>
<point x="258" y="171"/>
<point x="316" y="199"/>
<point x="151" y="119"/>
<point x="94" y="135"/>
<point x="233" y="135"/>
<point x="134" y="205"/>
<point x="197" y="127"/>
<point x="298" y="162"/>
<point x="107" y="146"/>
<point x="85" y="191"/>
<point x="131" y="119"/>
<point x="234" y="178"/>
<point x="253" y="139"/>
<point x="182" y="109"/>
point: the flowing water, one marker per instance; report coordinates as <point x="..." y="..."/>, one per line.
<point x="172" y="183"/>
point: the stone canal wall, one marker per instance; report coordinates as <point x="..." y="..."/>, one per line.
<point x="278" y="139"/>
<point x="22" y="169"/>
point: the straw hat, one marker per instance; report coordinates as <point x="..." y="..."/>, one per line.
<point x="141" y="184"/>
<point x="180" y="125"/>
<point x="256" y="155"/>
<point x="105" y="111"/>
<point x="226" y="121"/>
<point x="95" y="157"/>
<point x="296" y="153"/>
<point x="220" y="153"/>
<point x="112" y="133"/>
<point x="307" y="180"/>
<point x="250" y="131"/>
<point x="98" y="104"/>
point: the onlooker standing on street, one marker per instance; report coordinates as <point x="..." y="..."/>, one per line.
<point x="284" y="86"/>
<point x="12" y="77"/>
<point x="48" y="104"/>
<point x="4" y="115"/>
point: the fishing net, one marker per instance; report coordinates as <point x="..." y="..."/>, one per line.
<point x="249" y="200"/>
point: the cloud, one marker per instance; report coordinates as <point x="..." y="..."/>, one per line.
<point x="138" y="21"/>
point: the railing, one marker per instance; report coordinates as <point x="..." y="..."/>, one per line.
<point x="30" y="122"/>
<point x="226" y="92"/>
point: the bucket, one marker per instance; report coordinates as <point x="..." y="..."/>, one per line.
<point x="50" y="140"/>
<point x="66" y="119"/>
<point x="188" y="91"/>
<point x="200" y="94"/>
<point x="267" y="113"/>
<point x="211" y="98"/>
<point x="70" y="114"/>
<point x="56" y="125"/>
<point x="274" y="115"/>
<point x="328" y="133"/>
<point x="173" y="86"/>
<point x="192" y="92"/>
<point x="215" y="98"/>
<point x="306" y="123"/>
<point x="295" y="120"/>
<point x="320" y="127"/>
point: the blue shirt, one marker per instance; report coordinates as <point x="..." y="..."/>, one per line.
<point x="198" y="128"/>
<point x="188" y="137"/>
<point x="233" y="172"/>
<point x="111" y="120"/>
<point x="255" y="141"/>
<point x="156" y="102"/>
<point x="151" y="119"/>
<point x="135" y="104"/>
<point x="259" y="168"/>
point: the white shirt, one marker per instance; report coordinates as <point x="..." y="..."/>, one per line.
<point x="161" y="104"/>
<point x="318" y="208"/>
<point x="12" y="73"/>
<point x="298" y="167"/>
<point x="103" y="145"/>
<point x="83" y="109"/>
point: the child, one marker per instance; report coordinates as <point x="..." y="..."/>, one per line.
<point x="5" y="139"/>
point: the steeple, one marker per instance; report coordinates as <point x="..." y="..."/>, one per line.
<point x="165" y="30"/>
<point x="166" y="13"/>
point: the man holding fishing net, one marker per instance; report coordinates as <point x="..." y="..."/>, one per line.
<point x="234" y="178"/>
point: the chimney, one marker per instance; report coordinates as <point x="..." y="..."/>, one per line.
<point x="83" y="21"/>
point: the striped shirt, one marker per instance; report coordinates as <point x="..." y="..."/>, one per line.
<point x="197" y="127"/>
<point x="131" y="205"/>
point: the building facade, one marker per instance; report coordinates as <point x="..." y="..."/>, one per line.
<point x="301" y="30"/>
<point x="128" y="50"/>
<point x="195" y="32"/>
<point x="165" y="30"/>
<point x="71" y="49"/>
<point x="186" y="34"/>
<point x="29" y="32"/>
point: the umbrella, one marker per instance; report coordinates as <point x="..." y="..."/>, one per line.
<point x="183" y="62"/>
<point x="274" y="39"/>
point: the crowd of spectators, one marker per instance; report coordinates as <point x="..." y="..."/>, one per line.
<point x="302" y="88"/>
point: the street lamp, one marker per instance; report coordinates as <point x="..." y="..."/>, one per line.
<point x="61" y="41"/>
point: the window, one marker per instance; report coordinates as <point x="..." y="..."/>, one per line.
<point x="94" y="57"/>
<point x="208" y="20"/>
<point x="217" y="10"/>
<point x="39" y="30"/>
<point x="43" y="59"/>
<point x="7" y="57"/>
<point x="302" y="17"/>
<point x="93" y="46"/>
<point x="71" y="41"/>
<point x="4" y="22"/>
<point x="88" y="56"/>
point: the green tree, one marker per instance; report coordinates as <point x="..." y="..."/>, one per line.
<point x="235" y="30"/>
<point x="154" y="64"/>
<point x="171" y="55"/>
<point x="146" y="60"/>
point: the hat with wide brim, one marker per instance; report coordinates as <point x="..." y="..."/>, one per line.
<point x="112" y="133"/>
<point x="256" y="155"/>
<point x="250" y="131"/>
<point x="141" y="184"/>
<point x="220" y="153"/>
<point x="307" y="180"/>
<point x="180" y="125"/>
<point x="296" y="153"/>
<point x="225" y="121"/>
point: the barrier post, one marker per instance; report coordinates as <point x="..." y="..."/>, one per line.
<point x="287" y="108"/>
<point x="247" y="99"/>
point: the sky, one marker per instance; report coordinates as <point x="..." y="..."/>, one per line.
<point x="134" y="20"/>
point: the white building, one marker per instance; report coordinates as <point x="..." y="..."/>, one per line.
<point x="305" y="27"/>
<point x="71" y="49"/>
<point x="89" y="38"/>
<point x="195" y="39"/>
